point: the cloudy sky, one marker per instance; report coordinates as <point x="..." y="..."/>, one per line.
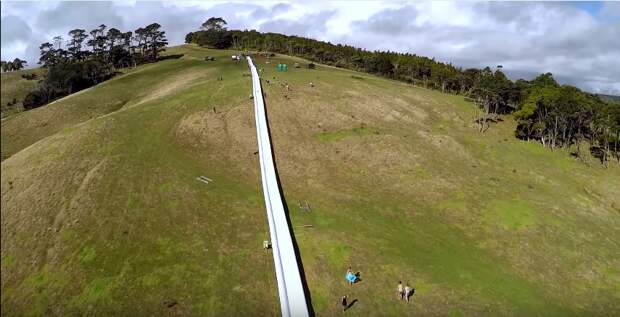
<point x="579" y="42"/>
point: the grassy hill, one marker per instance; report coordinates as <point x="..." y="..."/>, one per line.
<point x="102" y="214"/>
<point x="14" y="87"/>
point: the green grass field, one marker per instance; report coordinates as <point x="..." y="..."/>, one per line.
<point x="102" y="213"/>
<point x="15" y="88"/>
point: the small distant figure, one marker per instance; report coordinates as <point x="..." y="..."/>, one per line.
<point x="350" y="276"/>
<point x="407" y="292"/>
<point x="344" y="303"/>
<point x="311" y="84"/>
<point x="400" y="291"/>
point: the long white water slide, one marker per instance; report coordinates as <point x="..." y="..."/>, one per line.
<point x="290" y="287"/>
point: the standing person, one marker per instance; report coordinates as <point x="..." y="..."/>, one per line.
<point x="407" y="292"/>
<point x="344" y="302"/>
<point x="401" y="291"/>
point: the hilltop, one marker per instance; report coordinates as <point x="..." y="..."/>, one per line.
<point x="102" y="213"/>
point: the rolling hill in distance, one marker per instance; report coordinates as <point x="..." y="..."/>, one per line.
<point x="610" y="98"/>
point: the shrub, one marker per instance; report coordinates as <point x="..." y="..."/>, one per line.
<point x="66" y="78"/>
<point x="31" y="76"/>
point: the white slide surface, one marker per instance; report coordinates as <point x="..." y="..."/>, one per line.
<point x="290" y="287"/>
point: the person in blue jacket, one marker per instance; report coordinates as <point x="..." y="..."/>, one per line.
<point x="350" y="276"/>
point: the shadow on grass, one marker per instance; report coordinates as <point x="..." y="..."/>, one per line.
<point x="358" y="277"/>
<point x="351" y="304"/>
<point x="174" y="56"/>
<point x="302" y="272"/>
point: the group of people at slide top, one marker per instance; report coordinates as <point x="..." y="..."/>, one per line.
<point x="403" y="292"/>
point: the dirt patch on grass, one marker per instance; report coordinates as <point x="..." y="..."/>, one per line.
<point x="227" y="135"/>
<point x="446" y="143"/>
<point x="395" y="115"/>
<point x="174" y="84"/>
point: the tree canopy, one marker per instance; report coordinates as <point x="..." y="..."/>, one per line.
<point x="86" y="59"/>
<point x="214" y="24"/>
<point x="9" y="66"/>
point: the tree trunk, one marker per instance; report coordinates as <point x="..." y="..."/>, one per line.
<point x="616" y="145"/>
<point x="606" y="154"/>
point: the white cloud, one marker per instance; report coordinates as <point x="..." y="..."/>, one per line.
<point x="526" y="37"/>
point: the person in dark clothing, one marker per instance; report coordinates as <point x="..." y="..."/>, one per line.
<point x="344" y="303"/>
<point x="407" y="292"/>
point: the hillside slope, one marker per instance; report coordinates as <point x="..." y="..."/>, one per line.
<point x="15" y="88"/>
<point x="102" y="215"/>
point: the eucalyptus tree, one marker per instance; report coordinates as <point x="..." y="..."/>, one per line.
<point x="76" y="42"/>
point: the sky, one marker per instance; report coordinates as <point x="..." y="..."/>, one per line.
<point x="579" y="42"/>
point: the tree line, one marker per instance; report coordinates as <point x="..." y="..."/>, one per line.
<point x="9" y="66"/>
<point x="562" y="116"/>
<point x="86" y="59"/>
<point x="555" y="115"/>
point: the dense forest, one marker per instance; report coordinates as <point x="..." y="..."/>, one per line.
<point x="87" y="59"/>
<point x="552" y="114"/>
